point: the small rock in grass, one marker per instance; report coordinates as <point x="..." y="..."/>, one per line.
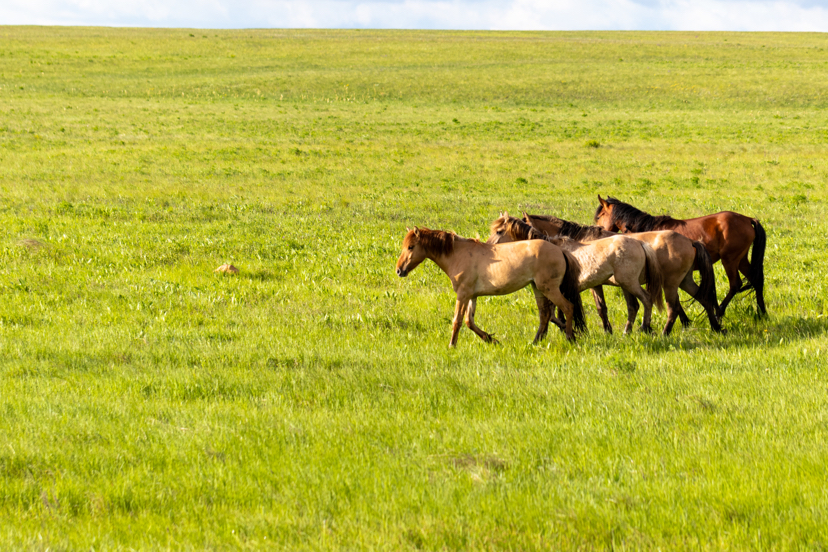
<point x="227" y="269"/>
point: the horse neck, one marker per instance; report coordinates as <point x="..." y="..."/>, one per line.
<point x="647" y="222"/>
<point x="545" y="226"/>
<point x="448" y="263"/>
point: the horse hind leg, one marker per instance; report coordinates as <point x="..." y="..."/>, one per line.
<point x="671" y="296"/>
<point x="694" y="291"/>
<point x="744" y="268"/>
<point x="601" y="307"/>
<point x="553" y="294"/>
<point x="545" y="314"/>
<point x="472" y="307"/>
<point x="682" y="316"/>
<point x="632" y="311"/>
<point x="543" y="305"/>
<point x="637" y="292"/>
<point x="731" y="267"/>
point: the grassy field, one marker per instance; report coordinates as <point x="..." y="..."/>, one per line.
<point x="311" y="402"/>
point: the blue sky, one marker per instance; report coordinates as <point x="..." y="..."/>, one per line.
<point x="697" y="15"/>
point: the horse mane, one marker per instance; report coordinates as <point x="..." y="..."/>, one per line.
<point x="435" y="242"/>
<point x="578" y="232"/>
<point x="519" y="230"/>
<point x="635" y="219"/>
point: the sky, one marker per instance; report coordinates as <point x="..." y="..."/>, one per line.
<point x="667" y="15"/>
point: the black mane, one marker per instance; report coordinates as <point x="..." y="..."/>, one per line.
<point x="635" y="219"/>
<point x="519" y="230"/>
<point x="570" y="229"/>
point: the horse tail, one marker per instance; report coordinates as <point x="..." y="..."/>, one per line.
<point x="569" y="289"/>
<point x="756" y="274"/>
<point x="707" y="284"/>
<point x="654" y="278"/>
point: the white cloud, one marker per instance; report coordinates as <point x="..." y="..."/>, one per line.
<point x="733" y="15"/>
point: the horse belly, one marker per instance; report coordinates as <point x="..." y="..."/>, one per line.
<point x="505" y="277"/>
<point x="595" y="270"/>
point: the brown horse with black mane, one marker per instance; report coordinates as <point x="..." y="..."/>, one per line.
<point x="677" y="255"/>
<point x="477" y="269"/>
<point x="726" y="236"/>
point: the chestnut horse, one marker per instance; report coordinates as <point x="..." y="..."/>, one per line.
<point x="726" y="236"/>
<point x="676" y="255"/>
<point x="617" y="260"/>
<point x="477" y="269"/>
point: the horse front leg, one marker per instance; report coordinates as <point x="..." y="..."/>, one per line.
<point x="459" y="312"/>
<point x="601" y="307"/>
<point x="472" y="307"/>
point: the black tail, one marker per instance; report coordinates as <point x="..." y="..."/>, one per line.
<point x="756" y="275"/>
<point x="569" y="289"/>
<point x="707" y="283"/>
<point x="706" y="296"/>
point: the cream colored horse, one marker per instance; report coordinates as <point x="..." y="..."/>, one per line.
<point x="678" y="256"/>
<point x="477" y="269"/>
<point x="623" y="262"/>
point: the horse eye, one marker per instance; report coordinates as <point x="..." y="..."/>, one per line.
<point x="410" y="247"/>
<point x="500" y="232"/>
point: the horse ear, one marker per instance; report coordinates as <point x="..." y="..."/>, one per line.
<point x="505" y="214"/>
<point x="407" y="229"/>
<point x="603" y="203"/>
<point x="525" y="216"/>
<point x="416" y="231"/>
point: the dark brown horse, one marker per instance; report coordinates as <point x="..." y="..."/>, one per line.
<point x="726" y="236"/>
<point x="677" y="256"/>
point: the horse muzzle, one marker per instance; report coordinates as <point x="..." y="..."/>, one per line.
<point x="402" y="273"/>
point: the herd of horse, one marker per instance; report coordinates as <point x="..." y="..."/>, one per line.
<point x="626" y="248"/>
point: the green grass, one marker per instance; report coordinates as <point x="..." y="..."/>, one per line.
<point x="311" y="402"/>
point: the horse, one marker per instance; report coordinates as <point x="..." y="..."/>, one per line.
<point x="726" y="235"/>
<point x="676" y="254"/>
<point x="477" y="269"/>
<point x="623" y="262"/>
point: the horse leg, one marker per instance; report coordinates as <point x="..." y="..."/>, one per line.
<point x="459" y="311"/>
<point x="601" y="307"/>
<point x="553" y="293"/>
<point x="543" y="304"/>
<point x="693" y="289"/>
<point x="744" y="268"/>
<point x="488" y="338"/>
<point x="632" y="311"/>
<point x="545" y="309"/>
<point x="635" y="289"/>
<point x="671" y="296"/>
<point x="682" y="316"/>
<point x="731" y="266"/>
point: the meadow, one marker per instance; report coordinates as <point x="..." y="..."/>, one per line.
<point x="311" y="402"/>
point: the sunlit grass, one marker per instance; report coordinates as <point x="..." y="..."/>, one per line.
<point x="311" y="402"/>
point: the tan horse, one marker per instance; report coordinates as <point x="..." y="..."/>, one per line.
<point x="624" y="262"/>
<point x="477" y="269"/>
<point x="677" y="255"/>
